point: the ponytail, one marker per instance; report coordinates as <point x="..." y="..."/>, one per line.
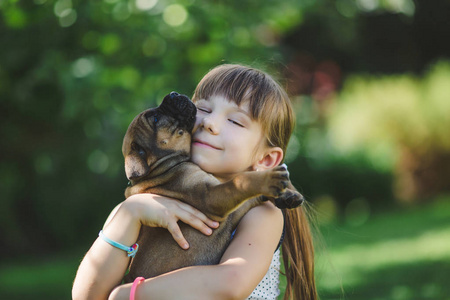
<point x="298" y="256"/>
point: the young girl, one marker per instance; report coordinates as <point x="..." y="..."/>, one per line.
<point x="244" y="122"/>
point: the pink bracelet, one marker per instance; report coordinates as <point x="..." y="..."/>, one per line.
<point x="134" y="286"/>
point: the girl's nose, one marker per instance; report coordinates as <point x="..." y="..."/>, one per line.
<point x="210" y="125"/>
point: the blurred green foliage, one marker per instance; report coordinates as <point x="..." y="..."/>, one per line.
<point x="402" y="124"/>
<point x="74" y="73"/>
<point x="393" y="112"/>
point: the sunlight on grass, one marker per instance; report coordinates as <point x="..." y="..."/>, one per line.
<point x="354" y="260"/>
<point x="401" y="255"/>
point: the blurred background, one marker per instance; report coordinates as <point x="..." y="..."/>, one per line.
<point x="369" y="79"/>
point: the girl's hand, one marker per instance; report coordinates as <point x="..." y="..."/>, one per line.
<point x="157" y="211"/>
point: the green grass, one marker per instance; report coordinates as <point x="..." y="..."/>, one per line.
<point x="36" y="278"/>
<point x="397" y="255"/>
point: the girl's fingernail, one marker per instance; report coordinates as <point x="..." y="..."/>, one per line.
<point x="209" y="231"/>
<point x="185" y="246"/>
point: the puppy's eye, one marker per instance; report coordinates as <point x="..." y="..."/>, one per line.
<point x="155" y="118"/>
<point x="138" y="149"/>
<point x="180" y="132"/>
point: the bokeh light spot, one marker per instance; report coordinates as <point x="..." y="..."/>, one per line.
<point x="82" y="67"/>
<point x="110" y="43"/>
<point x="146" y="4"/>
<point x="15" y="18"/>
<point x="68" y="18"/>
<point x="62" y="8"/>
<point x="347" y="8"/>
<point x="98" y="162"/>
<point x="357" y="212"/>
<point x="121" y="11"/>
<point x="326" y="208"/>
<point x="240" y="37"/>
<point x="175" y="15"/>
<point x="406" y="7"/>
<point x="367" y="5"/>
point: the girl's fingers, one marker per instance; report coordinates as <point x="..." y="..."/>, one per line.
<point x="164" y="212"/>
<point x="175" y="231"/>
<point x="199" y="215"/>
<point x="195" y="222"/>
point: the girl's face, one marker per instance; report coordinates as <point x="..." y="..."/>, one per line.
<point x="226" y="140"/>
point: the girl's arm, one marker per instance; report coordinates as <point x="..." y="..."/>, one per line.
<point x="242" y="267"/>
<point x="104" y="266"/>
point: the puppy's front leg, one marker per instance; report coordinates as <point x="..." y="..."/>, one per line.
<point x="226" y="197"/>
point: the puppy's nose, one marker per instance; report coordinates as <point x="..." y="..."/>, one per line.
<point x="174" y="94"/>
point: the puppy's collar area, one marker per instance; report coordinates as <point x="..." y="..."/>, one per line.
<point x="161" y="166"/>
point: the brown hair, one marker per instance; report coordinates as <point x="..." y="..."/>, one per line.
<point x="270" y="106"/>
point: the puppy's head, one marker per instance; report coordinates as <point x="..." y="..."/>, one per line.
<point x="158" y="132"/>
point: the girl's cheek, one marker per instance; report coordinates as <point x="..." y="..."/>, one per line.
<point x="196" y="125"/>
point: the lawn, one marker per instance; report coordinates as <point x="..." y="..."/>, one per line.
<point x="397" y="255"/>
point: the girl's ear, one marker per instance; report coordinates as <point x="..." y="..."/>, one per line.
<point x="271" y="158"/>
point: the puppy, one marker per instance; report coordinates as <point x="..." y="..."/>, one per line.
<point x="156" y="149"/>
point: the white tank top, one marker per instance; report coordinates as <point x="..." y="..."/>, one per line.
<point x="268" y="288"/>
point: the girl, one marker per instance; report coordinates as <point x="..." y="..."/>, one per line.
<point x="244" y="122"/>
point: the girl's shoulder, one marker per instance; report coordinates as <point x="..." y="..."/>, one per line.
<point x="264" y="217"/>
<point x="266" y="209"/>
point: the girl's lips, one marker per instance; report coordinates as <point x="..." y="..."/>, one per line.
<point x="204" y="144"/>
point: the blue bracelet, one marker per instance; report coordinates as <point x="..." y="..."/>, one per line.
<point x="131" y="251"/>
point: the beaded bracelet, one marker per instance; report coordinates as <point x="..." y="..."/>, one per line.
<point x="134" y="286"/>
<point x="131" y="251"/>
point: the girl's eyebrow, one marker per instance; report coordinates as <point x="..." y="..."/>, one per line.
<point x="200" y="101"/>
<point x="240" y="110"/>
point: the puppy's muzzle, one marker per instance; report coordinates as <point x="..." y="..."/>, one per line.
<point x="181" y="108"/>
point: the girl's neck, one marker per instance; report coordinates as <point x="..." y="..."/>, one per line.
<point x="228" y="176"/>
<point x="224" y="177"/>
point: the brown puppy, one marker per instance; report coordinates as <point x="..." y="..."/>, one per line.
<point x="156" y="148"/>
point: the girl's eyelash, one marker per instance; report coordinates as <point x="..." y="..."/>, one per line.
<point x="236" y="123"/>
<point x="203" y="109"/>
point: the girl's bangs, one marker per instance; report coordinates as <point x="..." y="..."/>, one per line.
<point x="239" y="85"/>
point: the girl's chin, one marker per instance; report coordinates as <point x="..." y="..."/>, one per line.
<point x="200" y="161"/>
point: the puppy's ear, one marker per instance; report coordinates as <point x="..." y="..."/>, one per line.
<point x="135" y="166"/>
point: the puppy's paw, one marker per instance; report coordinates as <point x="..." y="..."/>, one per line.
<point x="276" y="181"/>
<point x="289" y="199"/>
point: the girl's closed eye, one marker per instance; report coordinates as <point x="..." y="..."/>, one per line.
<point x="203" y="109"/>
<point x="236" y="123"/>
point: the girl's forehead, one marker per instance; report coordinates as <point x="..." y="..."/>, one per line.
<point x="243" y="106"/>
